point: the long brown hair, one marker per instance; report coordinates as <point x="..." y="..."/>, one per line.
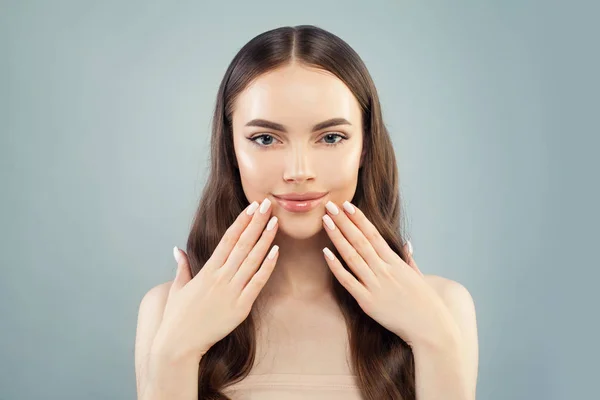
<point x="382" y="361"/>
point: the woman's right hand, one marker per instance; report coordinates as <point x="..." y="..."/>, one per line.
<point x="204" y="309"/>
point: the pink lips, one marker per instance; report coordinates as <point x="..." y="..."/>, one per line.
<point x="299" y="205"/>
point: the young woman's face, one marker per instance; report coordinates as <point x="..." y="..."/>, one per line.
<point x="288" y="152"/>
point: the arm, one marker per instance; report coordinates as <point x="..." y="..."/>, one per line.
<point x="448" y="369"/>
<point x="160" y="372"/>
<point x="170" y="377"/>
<point x="440" y="373"/>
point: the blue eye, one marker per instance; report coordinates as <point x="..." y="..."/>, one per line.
<point x="330" y="136"/>
<point x="334" y="135"/>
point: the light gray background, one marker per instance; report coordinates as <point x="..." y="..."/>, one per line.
<point x="104" y="114"/>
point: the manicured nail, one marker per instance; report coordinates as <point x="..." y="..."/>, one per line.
<point x="252" y="208"/>
<point x="176" y="254"/>
<point x="271" y="223"/>
<point x="265" y="206"/>
<point x="273" y="251"/>
<point x="328" y="253"/>
<point x="329" y="222"/>
<point x="348" y="207"/>
<point x="410" y="247"/>
<point x="332" y="208"/>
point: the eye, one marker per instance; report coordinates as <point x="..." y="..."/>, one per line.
<point x="335" y="135"/>
<point x="267" y="139"/>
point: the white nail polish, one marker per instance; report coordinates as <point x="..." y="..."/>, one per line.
<point x="176" y="254"/>
<point x="332" y="208"/>
<point x="265" y="206"/>
<point x="410" y="247"/>
<point x="348" y="207"/>
<point x="329" y="222"/>
<point x="252" y="208"/>
<point x="271" y="223"/>
<point x="273" y="252"/>
<point x="328" y="253"/>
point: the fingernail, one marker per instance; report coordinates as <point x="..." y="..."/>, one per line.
<point x="265" y="206"/>
<point x="273" y="251"/>
<point x="410" y="247"/>
<point x="329" y="222"/>
<point x="328" y="253"/>
<point x="176" y="254"/>
<point x="332" y="208"/>
<point x="252" y="208"/>
<point x="348" y="207"/>
<point x="272" y="223"/>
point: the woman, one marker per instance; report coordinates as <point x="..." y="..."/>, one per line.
<point x="296" y="282"/>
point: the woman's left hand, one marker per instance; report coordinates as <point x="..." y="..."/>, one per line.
<point x="392" y="292"/>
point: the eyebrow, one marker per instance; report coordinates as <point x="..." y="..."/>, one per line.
<point x="263" y="123"/>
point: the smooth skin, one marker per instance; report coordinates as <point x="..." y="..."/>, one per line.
<point x="290" y="157"/>
<point x="200" y="311"/>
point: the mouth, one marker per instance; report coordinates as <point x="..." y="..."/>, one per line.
<point x="299" y="206"/>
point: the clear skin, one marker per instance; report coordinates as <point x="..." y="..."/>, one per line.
<point x="297" y="97"/>
<point x="299" y="160"/>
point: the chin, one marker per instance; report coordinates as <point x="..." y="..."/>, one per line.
<point x="300" y="225"/>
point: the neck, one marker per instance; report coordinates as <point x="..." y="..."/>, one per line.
<point x="301" y="271"/>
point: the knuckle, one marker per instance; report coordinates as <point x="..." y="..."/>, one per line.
<point x="229" y="239"/>
<point x="243" y="307"/>
<point x="372" y="235"/>
<point x="363" y="243"/>
<point x="219" y="277"/>
<point x="345" y="280"/>
<point x="260" y="279"/>
<point x="355" y="258"/>
<point x="251" y="260"/>
<point x="244" y="246"/>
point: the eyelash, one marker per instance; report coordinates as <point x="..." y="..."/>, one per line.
<point x="254" y="142"/>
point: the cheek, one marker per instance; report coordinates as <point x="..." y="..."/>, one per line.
<point x="339" y="171"/>
<point x="256" y="173"/>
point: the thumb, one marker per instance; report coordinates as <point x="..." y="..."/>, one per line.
<point x="183" y="275"/>
<point x="408" y="248"/>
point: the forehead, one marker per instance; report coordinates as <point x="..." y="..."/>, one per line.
<point x="297" y="96"/>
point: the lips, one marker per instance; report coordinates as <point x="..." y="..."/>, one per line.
<point x="310" y="202"/>
<point x="301" y="196"/>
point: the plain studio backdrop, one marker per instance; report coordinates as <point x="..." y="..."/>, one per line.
<point x="105" y="112"/>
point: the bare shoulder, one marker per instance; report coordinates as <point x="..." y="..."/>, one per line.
<point x="150" y="312"/>
<point x="447" y="289"/>
<point x="460" y="303"/>
<point x="151" y="309"/>
<point x="156" y="297"/>
<point x="150" y="315"/>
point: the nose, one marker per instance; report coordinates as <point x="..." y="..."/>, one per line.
<point x="298" y="165"/>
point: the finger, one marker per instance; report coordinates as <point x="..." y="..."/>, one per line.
<point x="355" y="236"/>
<point x="256" y="256"/>
<point x="352" y="285"/>
<point x="408" y="249"/>
<point x="231" y="237"/>
<point x="260" y="278"/>
<point x="370" y="232"/>
<point x="184" y="275"/>
<point x="354" y="260"/>
<point x="247" y="240"/>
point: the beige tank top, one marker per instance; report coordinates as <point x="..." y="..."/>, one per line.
<point x="302" y="353"/>
<point x="295" y="387"/>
